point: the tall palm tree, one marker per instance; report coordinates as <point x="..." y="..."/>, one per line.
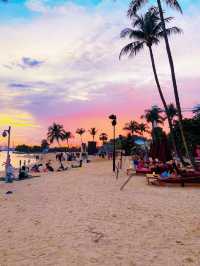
<point x="103" y="137"/>
<point x="93" y="132"/>
<point x="55" y="132"/>
<point x="132" y="127"/>
<point x="67" y="136"/>
<point x="80" y="131"/>
<point x="134" y="6"/>
<point x="147" y="30"/>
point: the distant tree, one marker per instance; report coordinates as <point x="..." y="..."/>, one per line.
<point x="55" y="132"/>
<point x="154" y="116"/>
<point x="44" y="144"/>
<point x="142" y="128"/>
<point x="80" y="131"/>
<point x="192" y="132"/>
<point x="93" y="132"/>
<point x="67" y="135"/>
<point x="172" y="112"/>
<point x="196" y="111"/>
<point x="103" y="137"/>
<point x="132" y="127"/>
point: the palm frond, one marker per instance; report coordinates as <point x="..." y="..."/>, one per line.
<point x="132" y="49"/>
<point x="134" y="6"/>
<point x="170" y="31"/>
<point x="174" y="4"/>
<point x="126" y="32"/>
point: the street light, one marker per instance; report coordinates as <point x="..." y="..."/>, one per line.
<point x="6" y="133"/>
<point x="114" y="123"/>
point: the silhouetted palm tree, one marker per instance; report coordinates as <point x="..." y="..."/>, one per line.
<point x="93" y="132"/>
<point x="147" y="30"/>
<point x="67" y="135"/>
<point x="55" y="132"/>
<point x="172" y="112"/>
<point x="134" y="6"/>
<point x="142" y="128"/>
<point x="154" y="117"/>
<point x="103" y="137"/>
<point x="80" y="131"/>
<point x="132" y="127"/>
<point x="44" y="144"/>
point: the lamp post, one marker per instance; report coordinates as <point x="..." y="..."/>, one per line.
<point x="6" y="133"/>
<point x="114" y="123"/>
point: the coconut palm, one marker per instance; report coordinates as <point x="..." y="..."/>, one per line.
<point x="55" y="132"/>
<point x="147" y="30"/>
<point x="80" y="131"/>
<point x="172" y="112"/>
<point x="103" y="137"/>
<point x="93" y="132"/>
<point x="44" y="144"/>
<point x="132" y="127"/>
<point x="154" y="116"/>
<point x="134" y="6"/>
<point x="67" y="136"/>
<point x="142" y="128"/>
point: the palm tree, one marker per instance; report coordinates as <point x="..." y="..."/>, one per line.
<point x="103" y="137"/>
<point x="93" y="132"/>
<point x="172" y="112"/>
<point x="154" y="117"/>
<point x="55" y="132"/>
<point x="134" y="6"/>
<point x="44" y="144"/>
<point x="142" y="127"/>
<point x="67" y="135"/>
<point x="147" y="30"/>
<point x="132" y="126"/>
<point x="80" y="131"/>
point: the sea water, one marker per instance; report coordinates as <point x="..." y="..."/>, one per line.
<point x="15" y="159"/>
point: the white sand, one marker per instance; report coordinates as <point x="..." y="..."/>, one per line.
<point x="80" y="217"/>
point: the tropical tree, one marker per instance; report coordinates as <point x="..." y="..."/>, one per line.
<point x="172" y="112"/>
<point x="55" y="132"/>
<point x="103" y="137"/>
<point x="147" y="31"/>
<point x="93" y="132"/>
<point x="44" y="144"/>
<point x="132" y="127"/>
<point x="142" y="128"/>
<point x="196" y="111"/>
<point x="134" y="6"/>
<point x="67" y="135"/>
<point x="80" y="131"/>
<point x="154" y="116"/>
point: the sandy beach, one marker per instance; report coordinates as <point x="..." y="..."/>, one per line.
<point x="80" y="217"/>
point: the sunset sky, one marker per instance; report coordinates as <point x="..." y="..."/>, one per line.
<point x="59" y="63"/>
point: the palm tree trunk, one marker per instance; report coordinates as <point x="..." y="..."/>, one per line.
<point x="163" y="99"/>
<point x="171" y="63"/>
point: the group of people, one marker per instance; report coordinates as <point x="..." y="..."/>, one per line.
<point x="163" y="169"/>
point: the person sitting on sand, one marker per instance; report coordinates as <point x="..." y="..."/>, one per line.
<point x="49" y="167"/>
<point x="23" y="173"/>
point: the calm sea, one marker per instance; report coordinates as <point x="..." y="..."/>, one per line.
<point x="15" y="159"/>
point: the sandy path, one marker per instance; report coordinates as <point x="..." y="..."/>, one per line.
<point x="80" y="217"/>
